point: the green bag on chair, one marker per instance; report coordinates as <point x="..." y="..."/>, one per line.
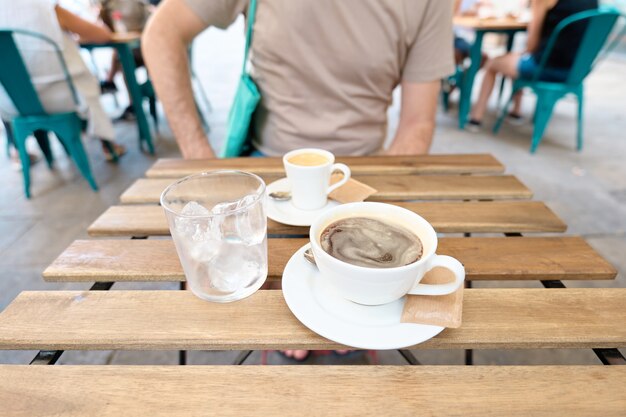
<point x="245" y="102"/>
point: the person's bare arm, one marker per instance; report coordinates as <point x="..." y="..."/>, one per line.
<point x="457" y="7"/>
<point x="164" y="44"/>
<point x="87" y="31"/>
<point x="539" y="8"/>
<point x="417" y="119"/>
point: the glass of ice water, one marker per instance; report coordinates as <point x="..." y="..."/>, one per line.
<point x="218" y="223"/>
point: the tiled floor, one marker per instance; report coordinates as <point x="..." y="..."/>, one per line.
<point x="587" y="189"/>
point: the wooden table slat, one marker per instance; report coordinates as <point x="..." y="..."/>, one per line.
<point x="390" y="188"/>
<point x="476" y="23"/>
<point x="448" y="217"/>
<point x="524" y="258"/>
<point x="321" y="390"/>
<point x="367" y="165"/>
<point x="178" y="320"/>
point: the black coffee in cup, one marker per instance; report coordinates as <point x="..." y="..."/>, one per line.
<point x="371" y="243"/>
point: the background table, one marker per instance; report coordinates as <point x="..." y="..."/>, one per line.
<point x="507" y="27"/>
<point x="447" y="189"/>
<point x="124" y="45"/>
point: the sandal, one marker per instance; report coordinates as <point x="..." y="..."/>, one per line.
<point x="16" y="162"/>
<point x="112" y="151"/>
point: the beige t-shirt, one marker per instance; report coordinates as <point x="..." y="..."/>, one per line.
<point x="327" y="68"/>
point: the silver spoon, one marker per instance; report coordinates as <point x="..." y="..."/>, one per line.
<point x="308" y="255"/>
<point x="280" y="195"/>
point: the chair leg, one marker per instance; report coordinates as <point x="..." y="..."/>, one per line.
<point x="44" y="144"/>
<point x="153" y="112"/>
<point x="445" y="101"/>
<point x="579" y="132"/>
<point x="8" y="129"/>
<point x="543" y="113"/>
<point x="65" y="148"/>
<point x="500" y="91"/>
<point x="83" y="163"/>
<point x="496" y="127"/>
<point x="19" y="136"/>
<point x="72" y="140"/>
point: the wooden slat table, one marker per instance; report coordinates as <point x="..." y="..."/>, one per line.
<point x="396" y="188"/>
<point x="373" y="165"/>
<point x="172" y="320"/>
<point x="53" y="321"/>
<point x="471" y="391"/>
<point x="489" y="258"/>
<point x="449" y="217"/>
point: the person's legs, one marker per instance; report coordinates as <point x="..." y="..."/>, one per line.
<point x="108" y="84"/>
<point x="517" y="104"/>
<point x="461" y="50"/>
<point x="506" y="65"/>
<point x="115" y="67"/>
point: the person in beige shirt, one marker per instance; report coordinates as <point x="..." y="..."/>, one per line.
<point x="326" y="70"/>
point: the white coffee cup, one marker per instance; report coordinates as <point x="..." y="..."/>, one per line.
<point x="375" y="286"/>
<point x="310" y="183"/>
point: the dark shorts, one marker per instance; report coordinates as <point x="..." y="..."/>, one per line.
<point x="527" y="67"/>
<point x="462" y="46"/>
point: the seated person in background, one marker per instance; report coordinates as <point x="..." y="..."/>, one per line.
<point x="326" y="70"/>
<point x="461" y="45"/>
<point x="546" y="15"/>
<point x="47" y="75"/>
<point x="132" y="16"/>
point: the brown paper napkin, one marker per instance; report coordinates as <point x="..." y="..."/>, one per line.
<point x="351" y="192"/>
<point x="437" y="310"/>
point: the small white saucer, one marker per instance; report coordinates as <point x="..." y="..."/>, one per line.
<point x="284" y="212"/>
<point x="322" y="310"/>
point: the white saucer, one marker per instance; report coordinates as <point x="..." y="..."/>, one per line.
<point x="284" y="212"/>
<point x="320" y="309"/>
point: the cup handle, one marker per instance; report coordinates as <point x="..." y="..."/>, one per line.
<point x="447" y="262"/>
<point x="346" y="176"/>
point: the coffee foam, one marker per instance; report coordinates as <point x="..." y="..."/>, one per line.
<point x="371" y="243"/>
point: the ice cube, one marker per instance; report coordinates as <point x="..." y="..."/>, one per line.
<point x="228" y="218"/>
<point x="237" y="266"/>
<point x="193" y="228"/>
<point x="251" y="223"/>
<point x="204" y="251"/>
<point x="193" y="208"/>
<point x="225" y="207"/>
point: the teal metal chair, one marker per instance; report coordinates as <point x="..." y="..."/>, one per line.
<point x="15" y="79"/>
<point x="453" y="81"/>
<point x="599" y="23"/>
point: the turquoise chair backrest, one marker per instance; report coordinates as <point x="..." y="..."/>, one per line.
<point x="599" y="24"/>
<point x="15" y="78"/>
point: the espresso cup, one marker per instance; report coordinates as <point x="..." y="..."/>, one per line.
<point x="308" y="171"/>
<point x="375" y="286"/>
